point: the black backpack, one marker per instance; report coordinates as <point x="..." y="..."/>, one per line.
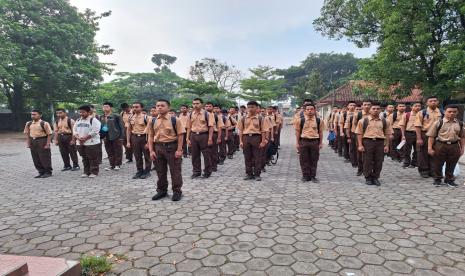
<point x="441" y="123"/>
<point x="425" y="114"/>
<point x="42" y="125"/>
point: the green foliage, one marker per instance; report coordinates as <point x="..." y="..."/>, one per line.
<point x="94" y="265"/>
<point x="48" y="53"/>
<point x="264" y="85"/>
<point x="163" y="61"/>
<point x="421" y="43"/>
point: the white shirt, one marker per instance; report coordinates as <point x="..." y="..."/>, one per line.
<point x="83" y="127"/>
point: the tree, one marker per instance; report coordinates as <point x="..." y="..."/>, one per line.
<point x="421" y="43"/>
<point x="264" y="85"/>
<point x="163" y="62"/>
<point x="223" y="75"/>
<point x="48" y="53"/>
<point x="310" y="87"/>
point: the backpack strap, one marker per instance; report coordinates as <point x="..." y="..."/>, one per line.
<point x="145" y="119"/>
<point x="407" y="118"/>
<point x="440" y="124"/>
<point x="91" y="120"/>
<point x="364" y="125"/>
<point x="206" y="118"/>
<point x="461" y="129"/>
<point x="302" y="123"/>
<point x="173" y="123"/>
<point x="384" y="125"/>
<point x="318" y="123"/>
<point x="394" y="117"/>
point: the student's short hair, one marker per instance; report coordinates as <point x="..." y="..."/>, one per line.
<point x="139" y="103"/>
<point x="235" y="107"/>
<point x="375" y="104"/>
<point x="36" y="111"/>
<point x="183" y="105"/>
<point x="270" y="106"/>
<point x="198" y="99"/>
<point x="275" y="107"/>
<point x="209" y="103"/>
<point x="308" y="101"/>
<point x="309" y="104"/>
<point x="108" y="103"/>
<point x="400" y="104"/>
<point x="254" y="103"/>
<point x="153" y="107"/>
<point x="368" y="101"/>
<point x="431" y="97"/>
<point x="172" y="110"/>
<point x="243" y="106"/>
<point x="414" y="103"/>
<point x="451" y="106"/>
<point x="85" y="108"/>
<point x="60" y="110"/>
<point x="164" y="101"/>
<point x="351" y="102"/>
<point x="124" y="105"/>
<point x="217" y="105"/>
<point x="224" y="111"/>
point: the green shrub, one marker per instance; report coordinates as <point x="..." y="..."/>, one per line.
<point x="94" y="265"/>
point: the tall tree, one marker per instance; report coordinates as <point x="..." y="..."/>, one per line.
<point x="264" y="85"/>
<point x="163" y="62"/>
<point x="421" y="43"/>
<point x="225" y="76"/>
<point x="48" y="52"/>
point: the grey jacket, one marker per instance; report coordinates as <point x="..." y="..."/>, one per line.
<point x="115" y="127"/>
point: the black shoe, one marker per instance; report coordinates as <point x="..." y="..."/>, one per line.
<point x="369" y="182"/>
<point x="258" y="178"/>
<point x="66" y="169"/>
<point x="249" y="177"/>
<point x="39" y="176"/>
<point x="376" y="182"/>
<point x="76" y="168"/>
<point x="196" y="175"/>
<point x="452" y="183"/>
<point x="230" y="157"/>
<point x="314" y="180"/>
<point x="206" y="175"/>
<point x="214" y="170"/>
<point x="221" y="162"/>
<point x="137" y="175"/>
<point x="176" y="197"/>
<point x="346" y="161"/>
<point x="305" y="179"/>
<point x="264" y="170"/>
<point x="145" y="175"/>
<point x="437" y="182"/>
<point x="128" y="161"/>
<point x="412" y="167"/>
<point x="354" y="165"/>
<point x="46" y="175"/>
<point x="424" y="175"/>
<point x="159" y="196"/>
<point x="359" y="173"/>
<point x="405" y="166"/>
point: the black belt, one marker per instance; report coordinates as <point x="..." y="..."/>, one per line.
<point x="37" y="138"/>
<point x="138" y="135"/>
<point x="252" y="134"/>
<point x="447" y="142"/>
<point x="200" y="133"/>
<point x="65" y="134"/>
<point x="374" y="139"/>
<point x="410" y="131"/>
<point x="165" y="144"/>
<point x="311" y="139"/>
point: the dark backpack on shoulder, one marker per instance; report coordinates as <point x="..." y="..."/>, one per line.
<point x="173" y="123"/>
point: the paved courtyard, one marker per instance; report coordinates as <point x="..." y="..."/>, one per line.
<point x="226" y="226"/>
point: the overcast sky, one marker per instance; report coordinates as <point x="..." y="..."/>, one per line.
<point x="245" y="33"/>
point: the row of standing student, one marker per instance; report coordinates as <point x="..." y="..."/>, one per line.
<point x="210" y="132"/>
<point x="431" y="137"/>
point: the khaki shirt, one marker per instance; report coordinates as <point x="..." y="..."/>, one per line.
<point x="163" y="131"/>
<point x="198" y="122"/>
<point x="271" y="120"/>
<point x="125" y="117"/>
<point x="310" y="128"/>
<point x="218" y="124"/>
<point x="138" y="123"/>
<point x="431" y="118"/>
<point x="449" y="132"/>
<point x="251" y="125"/>
<point x="410" y="126"/>
<point x="374" y="128"/>
<point x="400" y="120"/>
<point x="349" y="119"/>
<point x="184" y="119"/>
<point x="226" y="123"/>
<point x="62" y="127"/>
<point x="278" y="119"/>
<point x="36" y="131"/>
<point x="354" y="121"/>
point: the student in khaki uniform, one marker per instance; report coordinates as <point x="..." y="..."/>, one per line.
<point x="365" y="112"/>
<point x="351" y="137"/>
<point x="446" y="141"/>
<point x="233" y="132"/>
<point x="165" y="139"/>
<point x="278" y="118"/>
<point x="137" y="140"/>
<point x="272" y="133"/>
<point x="423" y="121"/>
<point x="309" y="141"/>
<point x="217" y="133"/>
<point x="63" y="130"/>
<point x="184" y="118"/>
<point x="236" y="116"/>
<point x="269" y="137"/>
<point x="225" y="129"/>
<point x="153" y="114"/>
<point x="373" y="135"/>
<point x="38" y="139"/>
<point x="410" y="161"/>
<point x="253" y="128"/>
<point x="200" y="138"/>
<point x="340" y="131"/>
<point x="397" y="120"/>
<point x="125" y="114"/>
